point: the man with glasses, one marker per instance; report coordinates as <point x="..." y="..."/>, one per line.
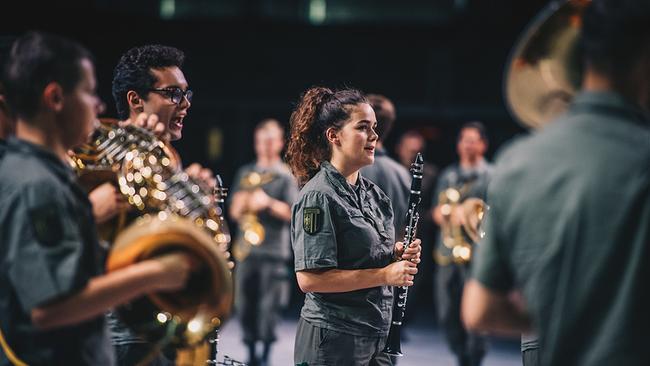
<point x="149" y="80"/>
<point x="150" y="90"/>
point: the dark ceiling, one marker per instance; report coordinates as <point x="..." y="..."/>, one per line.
<point x="441" y="61"/>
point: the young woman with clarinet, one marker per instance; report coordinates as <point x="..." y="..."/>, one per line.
<point x="342" y="233"/>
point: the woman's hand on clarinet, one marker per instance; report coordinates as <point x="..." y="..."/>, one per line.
<point x="400" y="273"/>
<point x="411" y="254"/>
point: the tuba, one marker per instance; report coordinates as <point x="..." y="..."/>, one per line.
<point x="544" y="70"/>
<point x="175" y="213"/>
<point x="251" y="231"/>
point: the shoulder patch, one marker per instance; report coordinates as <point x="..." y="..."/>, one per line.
<point x="47" y="226"/>
<point x="312" y="220"/>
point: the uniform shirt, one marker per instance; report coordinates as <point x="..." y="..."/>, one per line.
<point x="336" y="225"/>
<point x="470" y="183"/>
<point x="395" y="181"/>
<point x="282" y="187"/>
<point x="569" y="225"/>
<point x="48" y="250"/>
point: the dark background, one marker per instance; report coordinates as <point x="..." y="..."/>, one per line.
<point x="440" y="61"/>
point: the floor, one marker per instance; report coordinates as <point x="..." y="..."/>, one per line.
<point x="425" y="345"/>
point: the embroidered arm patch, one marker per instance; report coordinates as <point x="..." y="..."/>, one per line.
<point x="312" y="220"/>
<point x="47" y="225"/>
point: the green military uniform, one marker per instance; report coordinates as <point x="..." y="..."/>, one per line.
<point x="48" y="250"/>
<point x="469" y="348"/>
<point x="337" y="225"/>
<point x="394" y="180"/>
<point x="529" y="350"/>
<point x="262" y="278"/>
<point x="569" y="225"/>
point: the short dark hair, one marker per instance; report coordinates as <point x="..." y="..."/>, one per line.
<point x="385" y="117"/>
<point x="478" y="126"/>
<point x="133" y="72"/>
<point x="35" y="60"/>
<point x="615" y="33"/>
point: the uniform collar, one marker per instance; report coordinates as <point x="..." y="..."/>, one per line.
<point x="341" y="185"/>
<point x="50" y="159"/>
<point x="609" y="102"/>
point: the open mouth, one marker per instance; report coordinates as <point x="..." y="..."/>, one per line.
<point x="370" y="149"/>
<point x="177" y="123"/>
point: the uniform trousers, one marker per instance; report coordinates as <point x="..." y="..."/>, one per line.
<point x="316" y="346"/>
<point x="262" y="289"/>
<point x="468" y="347"/>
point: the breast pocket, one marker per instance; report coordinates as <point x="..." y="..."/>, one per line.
<point x="381" y="221"/>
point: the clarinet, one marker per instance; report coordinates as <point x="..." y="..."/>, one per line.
<point x="393" y="343"/>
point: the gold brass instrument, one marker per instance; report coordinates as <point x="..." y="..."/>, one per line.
<point x="175" y="214"/>
<point x="459" y="234"/>
<point x="251" y="231"/>
<point x="100" y="160"/>
<point x="199" y="307"/>
<point x="544" y="70"/>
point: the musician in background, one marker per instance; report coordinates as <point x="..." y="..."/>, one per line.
<point x="470" y="176"/>
<point x="385" y="172"/>
<point x="150" y="90"/>
<point x="569" y="221"/>
<point x="342" y="233"/>
<point x="261" y="279"/>
<point x="53" y="290"/>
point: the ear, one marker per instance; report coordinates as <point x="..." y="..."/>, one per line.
<point x="332" y="135"/>
<point x="136" y="103"/>
<point x="53" y="97"/>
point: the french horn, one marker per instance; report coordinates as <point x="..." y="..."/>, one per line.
<point x="175" y="213"/>
<point x="459" y="234"/>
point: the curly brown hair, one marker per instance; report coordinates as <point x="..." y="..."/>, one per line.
<point x="319" y="109"/>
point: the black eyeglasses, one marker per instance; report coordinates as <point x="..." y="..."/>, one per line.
<point x="175" y="94"/>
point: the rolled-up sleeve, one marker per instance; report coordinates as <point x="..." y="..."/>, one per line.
<point x="45" y="247"/>
<point x="313" y="236"/>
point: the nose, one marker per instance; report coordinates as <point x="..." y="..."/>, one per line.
<point x="373" y="135"/>
<point x="185" y="103"/>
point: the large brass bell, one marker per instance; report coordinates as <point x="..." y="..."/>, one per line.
<point x="193" y="312"/>
<point x="544" y="71"/>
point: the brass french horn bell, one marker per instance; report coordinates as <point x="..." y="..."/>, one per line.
<point x="544" y="70"/>
<point x="195" y="310"/>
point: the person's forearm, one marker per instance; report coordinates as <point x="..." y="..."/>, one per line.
<point x="100" y="294"/>
<point x="237" y="205"/>
<point x="486" y="310"/>
<point x="280" y="210"/>
<point x="340" y="280"/>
